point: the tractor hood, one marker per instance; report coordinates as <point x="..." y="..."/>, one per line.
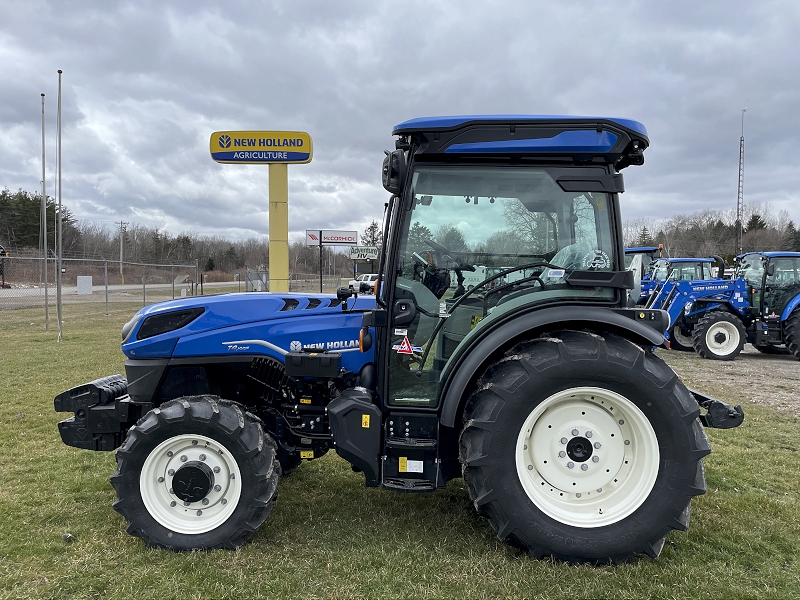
<point x="245" y="323"/>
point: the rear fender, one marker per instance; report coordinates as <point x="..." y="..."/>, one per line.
<point x="793" y="303"/>
<point x="466" y="368"/>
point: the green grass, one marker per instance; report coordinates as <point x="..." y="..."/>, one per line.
<point x="329" y="536"/>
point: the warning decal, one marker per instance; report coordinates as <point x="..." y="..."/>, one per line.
<point x="406" y="348"/>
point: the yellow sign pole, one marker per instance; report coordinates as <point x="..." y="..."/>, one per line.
<point x="277" y="149"/>
<point x="278" y="227"/>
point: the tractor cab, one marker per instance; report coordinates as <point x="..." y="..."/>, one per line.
<point x="773" y="281"/>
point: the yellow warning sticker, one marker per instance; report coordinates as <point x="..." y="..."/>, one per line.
<point x="306" y="454"/>
<point x="403" y="464"/>
<point x="305" y="400"/>
<point x="365" y="421"/>
<point x="474" y="321"/>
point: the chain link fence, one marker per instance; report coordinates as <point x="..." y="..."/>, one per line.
<point x="89" y="287"/>
<point x="93" y="287"/>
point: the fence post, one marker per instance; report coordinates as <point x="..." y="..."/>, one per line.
<point x="105" y="269"/>
<point x="196" y="274"/>
<point x="144" y="287"/>
<point x="173" y="282"/>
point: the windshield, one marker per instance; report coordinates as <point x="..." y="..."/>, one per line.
<point x="751" y="269"/>
<point x="478" y="241"/>
<point x="659" y="270"/>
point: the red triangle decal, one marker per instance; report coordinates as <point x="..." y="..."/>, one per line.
<point x="405" y="347"/>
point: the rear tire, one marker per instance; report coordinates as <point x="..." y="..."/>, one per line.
<point x="791" y="333"/>
<point x="197" y="473"/>
<point x="719" y="335"/>
<point x="543" y="391"/>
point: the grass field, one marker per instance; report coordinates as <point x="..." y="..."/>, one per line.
<point x="330" y="537"/>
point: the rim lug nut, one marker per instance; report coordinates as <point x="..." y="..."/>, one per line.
<point x="577" y="495"/>
<point x="173" y="503"/>
<point x="186" y="503"/>
<point x="564" y="440"/>
<point x="597" y="445"/>
<point x="169" y="452"/>
<point x="194" y="442"/>
<point x="202" y="457"/>
<point x="160" y="480"/>
<point x="217" y="488"/>
<point x="627" y="442"/>
<point x="584" y="466"/>
<point x="570" y="465"/>
<point x="599" y="490"/>
<point x="223" y="501"/>
<point x="233" y="475"/>
<point x="621" y="422"/>
<point x="205" y="501"/>
<point x="171" y="472"/>
<point x="199" y="512"/>
<point x="170" y="491"/>
<point x="595" y="459"/>
<point x="530" y="467"/>
<point x="588" y="434"/>
<point x="216" y="469"/>
<point x="184" y="458"/>
<point x="575" y="432"/>
<point x="562" y="454"/>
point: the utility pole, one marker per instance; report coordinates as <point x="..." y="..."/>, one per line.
<point x="60" y="218"/>
<point x="122" y="225"/>
<point x="740" y="194"/>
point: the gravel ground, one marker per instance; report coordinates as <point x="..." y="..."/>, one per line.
<point x="753" y="378"/>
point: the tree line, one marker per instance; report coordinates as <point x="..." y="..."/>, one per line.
<point x="20" y="234"/>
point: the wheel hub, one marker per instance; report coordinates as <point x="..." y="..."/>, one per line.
<point x="193" y="481"/>
<point x="720" y="337"/>
<point x="579" y="449"/>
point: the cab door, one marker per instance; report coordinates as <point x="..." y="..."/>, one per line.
<point x="781" y="285"/>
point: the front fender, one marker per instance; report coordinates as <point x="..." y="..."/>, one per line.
<point x="462" y="372"/>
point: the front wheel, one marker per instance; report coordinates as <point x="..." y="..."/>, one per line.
<point x="680" y="339"/>
<point x="583" y="447"/>
<point x="791" y="333"/>
<point x="196" y="473"/>
<point x="719" y="335"/>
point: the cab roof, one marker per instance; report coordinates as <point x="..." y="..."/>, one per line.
<point x="775" y="254"/>
<point x="640" y="250"/>
<point x="455" y="121"/>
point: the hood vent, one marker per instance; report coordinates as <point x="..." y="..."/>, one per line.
<point x="290" y="304"/>
<point x="313" y="303"/>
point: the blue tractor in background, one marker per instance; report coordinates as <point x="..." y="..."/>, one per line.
<point x="717" y="317"/>
<point x="538" y="386"/>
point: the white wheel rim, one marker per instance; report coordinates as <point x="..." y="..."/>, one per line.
<point x="681" y="339"/>
<point x="722" y="338"/>
<point x="155" y="484"/>
<point x="609" y="488"/>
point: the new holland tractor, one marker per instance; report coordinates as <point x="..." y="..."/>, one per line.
<point x="573" y="439"/>
<point x="759" y="305"/>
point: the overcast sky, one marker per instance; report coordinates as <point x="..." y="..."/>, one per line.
<point x="146" y="83"/>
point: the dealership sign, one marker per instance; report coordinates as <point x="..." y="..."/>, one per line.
<point x="325" y="237"/>
<point x="364" y="253"/>
<point x="261" y="147"/>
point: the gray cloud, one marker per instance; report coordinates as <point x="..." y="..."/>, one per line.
<point x="145" y="84"/>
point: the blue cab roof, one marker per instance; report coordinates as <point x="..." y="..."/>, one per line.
<point x="775" y="254"/>
<point x="640" y="250"/>
<point x="447" y="122"/>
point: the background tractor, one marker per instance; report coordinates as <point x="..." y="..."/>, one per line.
<point x="538" y="386"/>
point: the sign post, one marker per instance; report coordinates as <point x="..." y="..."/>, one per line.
<point x="277" y="149"/>
<point x="329" y="237"/>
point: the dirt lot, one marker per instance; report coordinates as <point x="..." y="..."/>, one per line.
<point x="753" y="378"/>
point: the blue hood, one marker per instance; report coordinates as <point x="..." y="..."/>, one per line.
<point x="259" y="323"/>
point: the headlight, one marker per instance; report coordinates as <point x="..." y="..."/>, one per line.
<point x="688" y="308"/>
<point x="164" y="322"/>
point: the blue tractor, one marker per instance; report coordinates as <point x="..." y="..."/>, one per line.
<point x="573" y="439"/>
<point x="759" y="305"/>
<point x="642" y="256"/>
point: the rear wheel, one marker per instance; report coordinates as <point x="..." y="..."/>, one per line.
<point x="791" y="333"/>
<point x="680" y="339"/>
<point x="719" y="335"/>
<point x="582" y="447"/>
<point x="196" y="473"/>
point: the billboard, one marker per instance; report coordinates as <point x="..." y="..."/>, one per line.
<point x="364" y="252"/>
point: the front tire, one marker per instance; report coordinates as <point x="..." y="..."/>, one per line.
<point x="615" y="501"/>
<point x="719" y="335"/>
<point x="680" y="340"/>
<point x="791" y="333"/>
<point x="197" y="473"/>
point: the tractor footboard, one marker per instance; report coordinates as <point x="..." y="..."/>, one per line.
<point x="103" y="412"/>
<point x="720" y="415"/>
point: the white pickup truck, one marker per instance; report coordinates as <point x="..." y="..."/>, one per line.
<point x="364" y="283"/>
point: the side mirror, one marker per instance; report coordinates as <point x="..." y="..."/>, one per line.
<point x="771" y="269"/>
<point x="394" y="171"/>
